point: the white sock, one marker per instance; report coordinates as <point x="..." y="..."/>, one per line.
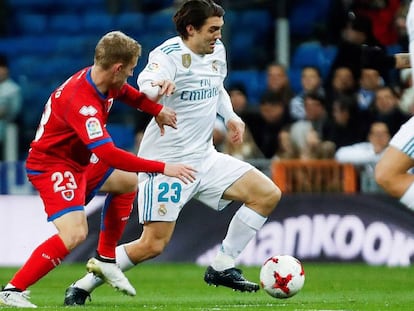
<point x="243" y="227"/>
<point x="89" y="282"/>
<point x="408" y="197"/>
<point x="122" y="258"/>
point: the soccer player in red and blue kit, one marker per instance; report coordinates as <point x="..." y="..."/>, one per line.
<point x="73" y="156"/>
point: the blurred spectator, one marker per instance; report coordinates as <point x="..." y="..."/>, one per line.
<point x="317" y="114"/>
<point x="342" y="83"/>
<point x="308" y="144"/>
<point x="406" y="92"/>
<point x="357" y="31"/>
<point x="369" y="82"/>
<point x="369" y="151"/>
<point x="365" y="155"/>
<point x="401" y="22"/>
<point x="239" y="100"/>
<point x="245" y="151"/>
<point x="274" y="116"/>
<point x="311" y="81"/>
<point x="278" y="81"/>
<point x="10" y="100"/>
<point x="346" y="126"/>
<point x="286" y="148"/>
<point x="241" y="107"/>
<point x="386" y="109"/>
<point x="337" y="19"/>
<point x="383" y="15"/>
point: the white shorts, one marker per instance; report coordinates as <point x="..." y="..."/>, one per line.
<point x="161" y="198"/>
<point x="404" y="139"/>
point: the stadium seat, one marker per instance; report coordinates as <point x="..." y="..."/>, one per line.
<point x="97" y="23"/>
<point x="302" y="19"/>
<point x="314" y="54"/>
<point x="307" y="54"/>
<point x="77" y="45"/>
<point x="250" y="80"/>
<point x="294" y="75"/>
<point x="65" y="24"/>
<point x="30" y="5"/>
<point x="161" y="22"/>
<point x="31" y="23"/>
<point x="132" y="24"/>
<point x="260" y="21"/>
<point x="36" y="45"/>
<point x="122" y="135"/>
<point x="241" y="49"/>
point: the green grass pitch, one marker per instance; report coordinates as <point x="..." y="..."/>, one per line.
<point x="172" y="287"/>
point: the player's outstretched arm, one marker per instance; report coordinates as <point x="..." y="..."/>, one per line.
<point x="182" y="171"/>
<point x="127" y="161"/>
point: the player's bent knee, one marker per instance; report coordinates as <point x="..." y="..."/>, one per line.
<point x="272" y="196"/>
<point x="74" y="238"/>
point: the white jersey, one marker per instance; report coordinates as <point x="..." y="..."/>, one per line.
<point x="199" y="92"/>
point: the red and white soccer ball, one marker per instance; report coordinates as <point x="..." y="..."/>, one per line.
<point x="282" y="276"/>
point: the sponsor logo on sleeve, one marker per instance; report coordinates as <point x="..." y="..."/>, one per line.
<point x="88" y="111"/>
<point x="93" y="128"/>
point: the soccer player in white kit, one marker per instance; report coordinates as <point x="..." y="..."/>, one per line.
<point x="193" y="66"/>
<point x="392" y="171"/>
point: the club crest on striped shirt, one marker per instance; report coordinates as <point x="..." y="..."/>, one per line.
<point x="186" y="60"/>
<point x="162" y="210"/>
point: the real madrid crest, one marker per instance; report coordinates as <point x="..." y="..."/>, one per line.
<point x="162" y="210"/>
<point x="214" y="66"/>
<point x="186" y="60"/>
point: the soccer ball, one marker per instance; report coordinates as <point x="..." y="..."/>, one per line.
<point x="282" y="276"/>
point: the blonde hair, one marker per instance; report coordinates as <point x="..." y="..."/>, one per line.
<point x="115" y="47"/>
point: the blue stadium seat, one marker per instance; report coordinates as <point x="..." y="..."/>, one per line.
<point x="302" y="19"/>
<point x="161" y="22"/>
<point x="294" y="75"/>
<point x="30" y="5"/>
<point x="314" y="54"/>
<point x="132" y="24"/>
<point x="10" y="47"/>
<point x="77" y="45"/>
<point x="64" y="24"/>
<point x="251" y="81"/>
<point x="259" y="21"/>
<point x="36" y="45"/>
<point x="393" y="49"/>
<point x="241" y="49"/>
<point x="98" y="22"/>
<point x="31" y="23"/>
<point x="122" y="135"/>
